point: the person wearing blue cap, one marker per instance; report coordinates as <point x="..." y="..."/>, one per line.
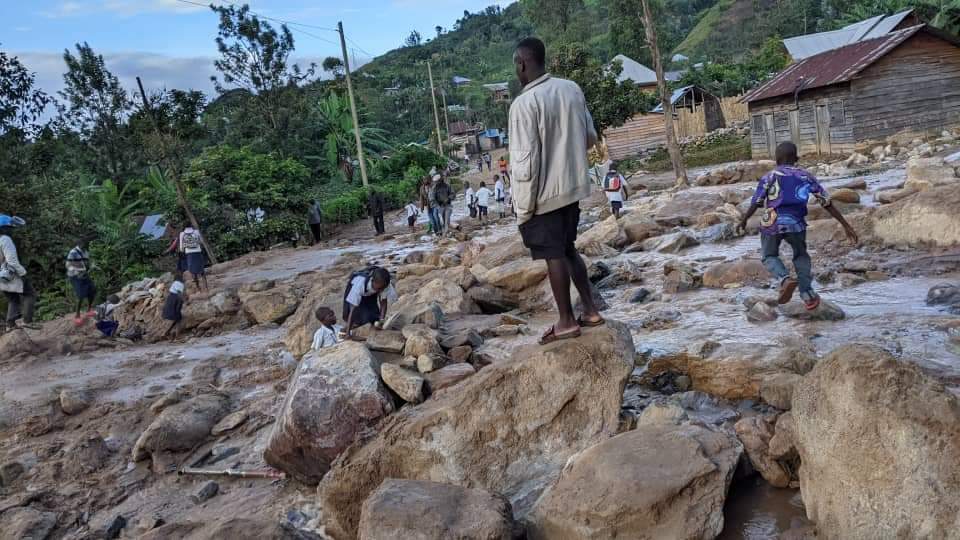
<point x="13" y="276"/>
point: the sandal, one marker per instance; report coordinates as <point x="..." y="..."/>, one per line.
<point x="551" y="335"/>
<point x="590" y="324"/>
<point x="812" y="304"/>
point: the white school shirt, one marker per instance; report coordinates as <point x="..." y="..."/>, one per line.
<point x="483" y="196"/>
<point x="498" y="190"/>
<point x="326" y="337"/>
<point x="412" y="210"/>
<point x="468" y="198"/>
<point x="359" y="289"/>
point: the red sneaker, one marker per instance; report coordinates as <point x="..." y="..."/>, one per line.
<point x="812" y="304"/>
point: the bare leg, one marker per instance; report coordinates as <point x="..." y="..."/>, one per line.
<point x="581" y="280"/>
<point x="206" y="286"/>
<point x="558" y="270"/>
<point x="167" y="333"/>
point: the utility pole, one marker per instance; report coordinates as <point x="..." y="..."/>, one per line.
<point x="181" y="190"/>
<point x="672" y="147"/>
<point x="436" y="115"/>
<point x="353" y="106"/>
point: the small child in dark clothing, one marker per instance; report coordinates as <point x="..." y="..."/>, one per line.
<point x="173" y="307"/>
<point x="106" y="323"/>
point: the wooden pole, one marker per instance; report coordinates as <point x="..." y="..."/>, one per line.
<point x="436" y="115"/>
<point x="676" y="158"/>
<point x="181" y="190"/>
<point x="353" y="106"/>
<point x="446" y="119"/>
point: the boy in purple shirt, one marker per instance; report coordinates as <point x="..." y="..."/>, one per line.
<point x="783" y="195"/>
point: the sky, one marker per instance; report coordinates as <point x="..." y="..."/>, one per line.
<point x="170" y="43"/>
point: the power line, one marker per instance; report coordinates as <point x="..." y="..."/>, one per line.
<point x="359" y="48"/>
<point x="281" y="21"/>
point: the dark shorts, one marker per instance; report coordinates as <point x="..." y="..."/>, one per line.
<point x="616" y="205"/>
<point x="83" y="287"/>
<point x="482" y="210"/>
<point x="552" y="235"/>
<point x="195" y="263"/>
<point x="411" y="221"/>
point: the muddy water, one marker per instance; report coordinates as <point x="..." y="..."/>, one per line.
<point x="755" y="510"/>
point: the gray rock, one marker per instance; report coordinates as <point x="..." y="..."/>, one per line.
<point x="27" y="523"/>
<point x="389" y="341"/>
<point x="205" y="493"/>
<point x="430" y="362"/>
<point x="74" y="401"/>
<point x="406" y="383"/>
<point x="761" y="312"/>
<point x="229" y="422"/>
<point x="448" y="376"/>
<point x="182" y="426"/>
<point x="826" y="311"/>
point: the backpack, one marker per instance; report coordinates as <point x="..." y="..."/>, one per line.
<point x="367" y="274"/>
<point x="442" y="194"/>
<point x="191" y="240"/>
<point x="612" y="183"/>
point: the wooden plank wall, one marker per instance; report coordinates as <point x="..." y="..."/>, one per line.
<point x="641" y="133"/>
<point x="841" y="132"/>
<point x="913" y="90"/>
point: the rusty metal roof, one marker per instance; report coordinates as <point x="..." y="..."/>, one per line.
<point x="835" y="66"/>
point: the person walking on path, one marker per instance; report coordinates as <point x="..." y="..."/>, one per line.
<point x="173" y="305"/>
<point x="783" y="194"/>
<point x="412" y="213"/>
<point x="315" y="221"/>
<point x="470" y="201"/>
<point x="375" y="207"/>
<point x="14" y="282"/>
<point x="425" y="188"/>
<point x="78" y="273"/>
<point x="483" y="201"/>
<point x="499" y="196"/>
<point x="550" y="133"/>
<point x="441" y="201"/>
<point x="488" y="160"/>
<point x="480" y="163"/>
<point x="504" y="167"/>
<point x="615" y="188"/>
<point x="191" y="245"/>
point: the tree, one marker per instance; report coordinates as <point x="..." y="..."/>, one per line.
<point x="96" y="106"/>
<point x="20" y="103"/>
<point x="333" y="65"/>
<point x="340" y="146"/>
<point x="413" y="40"/>
<point x="439" y="30"/>
<point x="610" y="102"/>
<point x="676" y="158"/>
<point x="255" y="57"/>
<point x="553" y="13"/>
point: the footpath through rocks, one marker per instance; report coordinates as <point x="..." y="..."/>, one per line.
<point x="702" y="409"/>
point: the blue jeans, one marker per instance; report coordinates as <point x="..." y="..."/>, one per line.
<point x="770" y="249"/>
<point x="434" y="215"/>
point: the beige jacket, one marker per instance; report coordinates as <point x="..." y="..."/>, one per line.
<point x="10" y="262"/>
<point x="550" y="132"/>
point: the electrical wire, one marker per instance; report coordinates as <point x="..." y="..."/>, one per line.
<point x="281" y="21"/>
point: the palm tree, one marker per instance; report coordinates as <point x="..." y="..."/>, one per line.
<point x="340" y="144"/>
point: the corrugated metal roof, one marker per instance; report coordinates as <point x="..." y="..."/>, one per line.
<point x="635" y="71"/>
<point x="497" y="86"/>
<point x="153" y="226"/>
<point x="676" y="96"/>
<point x="801" y="47"/>
<point x="831" y="67"/>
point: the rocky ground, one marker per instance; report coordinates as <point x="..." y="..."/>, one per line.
<point x="701" y="410"/>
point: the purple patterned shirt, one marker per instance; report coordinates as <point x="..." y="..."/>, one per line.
<point x="787" y="190"/>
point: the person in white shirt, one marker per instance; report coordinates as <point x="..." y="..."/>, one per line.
<point x="615" y="188"/>
<point x="366" y="298"/>
<point x="498" y="194"/>
<point x="483" y="200"/>
<point x="78" y="273"/>
<point x="14" y="282"/>
<point x="412" y="213"/>
<point x="328" y="333"/>
<point x="191" y="244"/>
<point x="470" y="201"/>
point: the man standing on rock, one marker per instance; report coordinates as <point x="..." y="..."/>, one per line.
<point x="315" y="221"/>
<point x="375" y="206"/>
<point x="550" y="133"/>
<point x="783" y="194"/>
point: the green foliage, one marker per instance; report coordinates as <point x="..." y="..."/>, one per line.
<point x="228" y="186"/>
<point x="610" y="102"/>
<point x="731" y="79"/>
<point x="20" y="102"/>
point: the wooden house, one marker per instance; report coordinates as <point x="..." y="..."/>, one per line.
<point x="646" y="132"/>
<point x="500" y="91"/>
<point x="903" y="84"/>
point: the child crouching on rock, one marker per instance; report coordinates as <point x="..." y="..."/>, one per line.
<point x="173" y="307"/>
<point x="106" y="323"/>
<point x="783" y="195"/>
<point x="328" y="334"/>
<point x="366" y="298"/>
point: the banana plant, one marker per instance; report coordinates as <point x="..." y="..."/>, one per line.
<point x="340" y="146"/>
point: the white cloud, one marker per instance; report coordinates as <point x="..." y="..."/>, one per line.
<point x="69" y="8"/>
<point x="129" y="8"/>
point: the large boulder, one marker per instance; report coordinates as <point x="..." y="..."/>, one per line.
<point x="609" y="232"/>
<point x="879" y="443"/>
<point x="928" y="218"/>
<point x="686" y="207"/>
<point x="826" y="311"/>
<point x="755" y="434"/>
<point x="334" y="398"/>
<point x="658" y="481"/>
<point x="638" y="227"/>
<point x="422" y="510"/>
<point x="26" y="523"/>
<point x="448" y="376"/>
<point x="744" y="271"/>
<point x="271" y="306"/>
<point x="538" y="408"/>
<point x="449" y="297"/>
<point x="733" y="370"/>
<point x="517" y="275"/>
<point x="670" y="243"/>
<point x="734" y="173"/>
<point x="926" y="172"/>
<point x="181" y="427"/>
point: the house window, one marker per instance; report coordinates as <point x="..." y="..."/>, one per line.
<point x="838" y="116"/>
<point x="758" y="125"/>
